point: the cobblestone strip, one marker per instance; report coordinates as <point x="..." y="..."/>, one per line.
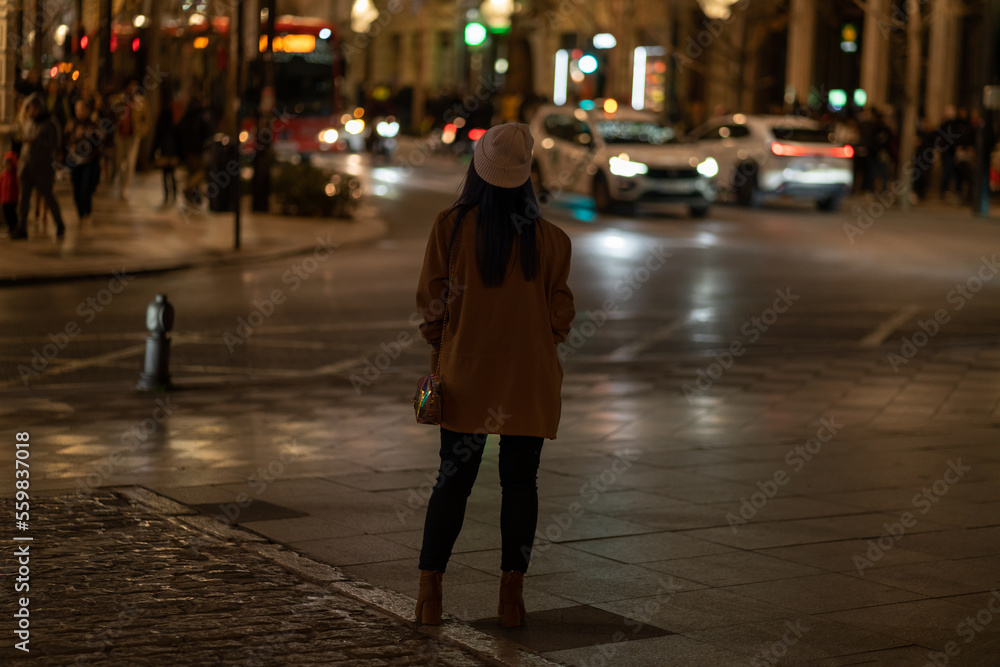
<point x="117" y="582"/>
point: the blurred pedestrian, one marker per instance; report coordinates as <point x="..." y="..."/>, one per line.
<point x="965" y="156"/>
<point x="495" y="341"/>
<point x="9" y="193"/>
<point x="879" y="155"/>
<point x="132" y="125"/>
<point x="195" y="129"/>
<point x="167" y="149"/>
<point x="83" y="152"/>
<point x="951" y="131"/>
<point x="30" y="84"/>
<point x="926" y="136"/>
<point x="56" y="103"/>
<point x="38" y="171"/>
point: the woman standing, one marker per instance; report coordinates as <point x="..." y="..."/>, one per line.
<point x="499" y="270"/>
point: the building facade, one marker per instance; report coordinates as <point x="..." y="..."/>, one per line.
<point x="701" y="56"/>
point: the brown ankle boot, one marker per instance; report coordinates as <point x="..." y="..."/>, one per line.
<point x="511" y="607"/>
<point x="428" y="609"/>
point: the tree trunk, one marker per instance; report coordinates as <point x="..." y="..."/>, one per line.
<point x="36" y="45"/>
<point x="908" y="133"/>
<point x="419" y="102"/>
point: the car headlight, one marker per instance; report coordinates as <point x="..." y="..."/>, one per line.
<point x="708" y="168"/>
<point x="622" y="166"/>
<point x="328" y="136"/>
<point x="385" y="129"/>
<point x="355" y="126"/>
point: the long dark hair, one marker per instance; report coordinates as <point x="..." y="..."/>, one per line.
<point x="506" y="216"/>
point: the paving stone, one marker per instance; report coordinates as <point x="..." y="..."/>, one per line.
<point x="116" y="586"/>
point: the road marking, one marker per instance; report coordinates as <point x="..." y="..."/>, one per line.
<point x="885" y="329"/>
<point x="77" y="364"/>
<point x="629" y="350"/>
<point x="194" y="336"/>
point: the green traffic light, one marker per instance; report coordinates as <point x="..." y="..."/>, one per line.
<point x="475" y="34"/>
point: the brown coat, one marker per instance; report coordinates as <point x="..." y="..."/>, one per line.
<point x="499" y="369"/>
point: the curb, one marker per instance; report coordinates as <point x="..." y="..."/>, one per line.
<point x="381" y="229"/>
<point x="396" y="605"/>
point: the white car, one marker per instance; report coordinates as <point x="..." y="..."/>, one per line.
<point x="762" y="157"/>
<point x="618" y="158"/>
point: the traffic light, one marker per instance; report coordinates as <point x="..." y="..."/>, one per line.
<point x="475" y="33"/>
<point x="848" y="38"/>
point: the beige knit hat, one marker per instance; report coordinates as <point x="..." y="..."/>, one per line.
<point x="503" y="155"/>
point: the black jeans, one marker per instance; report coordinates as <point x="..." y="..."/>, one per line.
<point x="169" y="185"/>
<point x="85" y="178"/>
<point x="461" y="454"/>
<point x="10" y="217"/>
<point x="29" y="182"/>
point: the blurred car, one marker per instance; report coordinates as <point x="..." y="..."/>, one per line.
<point x="620" y="158"/>
<point x="763" y="157"/>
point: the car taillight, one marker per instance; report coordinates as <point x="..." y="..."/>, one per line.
<point x="787" y="150"/>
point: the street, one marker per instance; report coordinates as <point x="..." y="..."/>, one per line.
<point x="853" y="289"/>
<point x="751" y="402"/>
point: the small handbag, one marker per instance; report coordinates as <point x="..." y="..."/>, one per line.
<point x="427" y="399"/>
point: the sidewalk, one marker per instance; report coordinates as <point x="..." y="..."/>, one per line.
<point x="114" y="580"/>
<point x="814" y="508"/>
<point x="141" y="236"/>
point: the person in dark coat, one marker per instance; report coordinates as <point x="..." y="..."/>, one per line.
<point x="42" y="137"/>
<point x="880" y="154"/>
<point x="965" y="156"/>
<point x="30" y="84"/>
<point x="56" y="103"/>
<point x="167" y="149"/>
<point x="926" y="135"/>
<point x="195" y="130"/>
<point x="950" y="127"/>
<point x="497" y="349"/>
<point x="84" y="142"/>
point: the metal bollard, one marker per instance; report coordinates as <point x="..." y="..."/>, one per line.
<point x="159" y="320"/>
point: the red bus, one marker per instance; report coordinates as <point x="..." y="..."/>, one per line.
<point x="307" y="63"/>
<point x="308" y="73"/>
